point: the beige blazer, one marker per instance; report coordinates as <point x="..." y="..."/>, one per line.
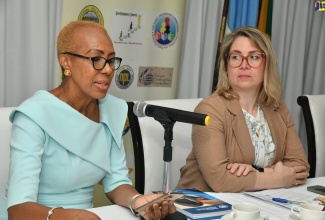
<point x="227" y="140"/>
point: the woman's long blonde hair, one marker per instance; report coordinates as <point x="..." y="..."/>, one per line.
<point x="270" y="92"/>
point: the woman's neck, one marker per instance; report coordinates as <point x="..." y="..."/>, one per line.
<point x="249" y="104"/>
<point x="88" y="107"/>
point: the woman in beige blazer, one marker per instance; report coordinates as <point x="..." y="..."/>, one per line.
<point x="251" y="143"/>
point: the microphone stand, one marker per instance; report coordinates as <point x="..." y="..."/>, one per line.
<point x="168" y="124"/>
<point x="168" y="152"/>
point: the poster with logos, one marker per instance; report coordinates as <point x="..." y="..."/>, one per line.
<point x="147" y="35"/>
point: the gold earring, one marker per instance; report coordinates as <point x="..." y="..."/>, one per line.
<point x="67" y="73"/>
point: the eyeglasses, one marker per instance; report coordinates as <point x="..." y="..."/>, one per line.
<point x="253" y="60"/>
<point x="100" y="62"/>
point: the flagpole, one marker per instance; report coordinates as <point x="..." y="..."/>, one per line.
<point x="221" y="35"/>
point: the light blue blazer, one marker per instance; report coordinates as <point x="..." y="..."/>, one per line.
<point x="58" y="155"/>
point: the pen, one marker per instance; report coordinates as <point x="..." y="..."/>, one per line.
<point x="280" y="200"/>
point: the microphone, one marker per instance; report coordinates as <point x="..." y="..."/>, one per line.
<point x="142" y="109"/>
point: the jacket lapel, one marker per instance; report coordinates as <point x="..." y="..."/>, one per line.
<point x="79" y="135"/>
<point x="240" y="131"/>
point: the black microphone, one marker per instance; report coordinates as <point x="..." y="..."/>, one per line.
<point x="142" y="109"/>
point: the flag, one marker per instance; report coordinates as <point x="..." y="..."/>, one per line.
<point x="242" y="13"/>
<point x="265" y="17"/>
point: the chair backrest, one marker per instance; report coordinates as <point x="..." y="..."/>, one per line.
<point x="5" y="131"/>
<point x="313" y="111"/>
<point x="148" y="141"/>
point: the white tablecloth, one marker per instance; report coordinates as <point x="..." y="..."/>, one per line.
<point x="274" y="212"/>
<point x="114" y="212"/>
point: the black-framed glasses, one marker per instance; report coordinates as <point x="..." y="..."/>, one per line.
<point x="100" y="62"/>
<point x="253" y="60"/>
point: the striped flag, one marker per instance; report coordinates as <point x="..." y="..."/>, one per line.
<point x="265" y="17"/>
<point x="242" y="13"/>
<point x="255" y="13"/>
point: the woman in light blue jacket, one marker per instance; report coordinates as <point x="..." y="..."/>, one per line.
<point x="67" y="140"/>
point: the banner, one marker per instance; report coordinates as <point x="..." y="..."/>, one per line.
<point x="147" y="35"/>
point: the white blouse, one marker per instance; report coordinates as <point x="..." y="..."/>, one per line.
<point x="261" y="138"/>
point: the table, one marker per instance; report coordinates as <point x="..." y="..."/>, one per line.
<point x="274" y="212"/>
<point x="114" y="212"/>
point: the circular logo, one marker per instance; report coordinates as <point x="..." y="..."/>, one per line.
<point x="165" y="30"/>
<point x="124" y="77"/>
<point x="91" y="13"/>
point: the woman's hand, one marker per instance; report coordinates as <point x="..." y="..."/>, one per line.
<point x="240" y="169"/>
<point x="157" y="210"/>
<point x="291" y="176"/>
